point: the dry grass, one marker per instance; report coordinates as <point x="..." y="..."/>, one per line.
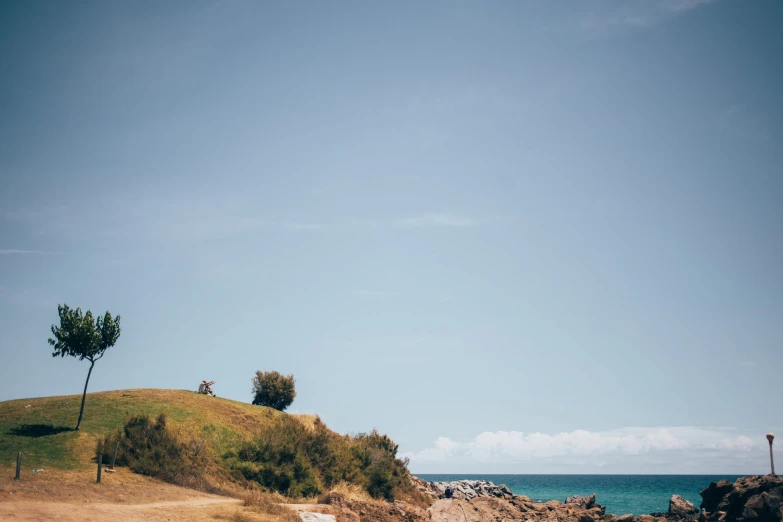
<point x="53" y="493"/>
<point x="270" y="505"/>
<point x="236" y="516"/>
<point x="307" y="419"/>
<point x="353" y="492"/>
<point x="241" y="515"/>
<point x="79" y="486"/>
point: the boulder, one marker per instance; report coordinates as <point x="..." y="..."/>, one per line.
<point x="464" y="489"/>
<point x="581" y="501"/>
<point x="711" y="497"/>
<point x="625" y="518"/>
<point x="681" y="508"/>
<point x="316" y="517"/>
<point x="749" y="499"/>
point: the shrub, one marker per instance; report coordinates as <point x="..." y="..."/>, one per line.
<point x="148" y="447"/>
<point x="286" y="456"/>
<point x="294" y="460"/>
<point x="383" y="471"/>
<point x="273" y="389"/>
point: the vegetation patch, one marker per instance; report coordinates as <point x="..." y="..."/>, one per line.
<point x="42" y="429"/>
<point x="150" y="448"/>
<point x="207" y="443"/>
<point x="298" y="461"/>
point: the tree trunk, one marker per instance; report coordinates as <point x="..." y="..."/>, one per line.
<point x="84" y="396"/>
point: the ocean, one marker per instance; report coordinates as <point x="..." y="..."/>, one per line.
<point x="621" y="494"/>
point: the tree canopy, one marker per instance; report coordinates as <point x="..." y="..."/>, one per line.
<point x="83" y="337"/>
<point x="273" y="389"/>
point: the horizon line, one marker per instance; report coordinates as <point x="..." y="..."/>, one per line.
<point x="598" y="474"/>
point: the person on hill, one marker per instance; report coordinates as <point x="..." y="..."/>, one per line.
<point x="204" y="388"/>
<point x="449" y="493"/>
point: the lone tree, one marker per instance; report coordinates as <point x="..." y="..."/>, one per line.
<point x="80" y="336"/>
<point x="273" y="389"/>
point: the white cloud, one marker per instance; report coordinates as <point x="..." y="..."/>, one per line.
<point x="682" y="6"/>
<point x="491" y="450"/>
<point x="636" y="13"/>
<point x="437" y="220"/>
<point x="12" y="251"/>
<point x="374" y="294"/>
<point x="309" y="226"/>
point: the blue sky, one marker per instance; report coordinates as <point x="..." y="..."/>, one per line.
<point x="518" y="237"/>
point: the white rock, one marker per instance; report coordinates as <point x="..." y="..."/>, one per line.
<point x="311" y="517"/>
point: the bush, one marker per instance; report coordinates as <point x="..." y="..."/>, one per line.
<point x="286" y="456"/>
<point x="297" y="461"/>
<point x="273" y="389"/>
<point x="148" y="447"/>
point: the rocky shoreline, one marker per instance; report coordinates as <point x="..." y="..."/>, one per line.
<point x="464" y="489"/>
<point x="749" y="499"/>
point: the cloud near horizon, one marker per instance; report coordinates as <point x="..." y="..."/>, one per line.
<point x="309" y="226"/>
<point x="12" y="251"/>
<point x="490" y="450"/>
<point x="373" y="293"/>
<point x="437" y="220"/>
<point x="619" y="14"/>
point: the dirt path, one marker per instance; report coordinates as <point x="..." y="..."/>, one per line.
<point x="74" y="495"/>
<point x="199" y="509"/>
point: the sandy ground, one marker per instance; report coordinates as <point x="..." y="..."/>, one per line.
<point x="75" y="496"/>
<point x="199" y="510"/>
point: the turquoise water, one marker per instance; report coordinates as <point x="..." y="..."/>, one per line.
<point x="636" y="494"/>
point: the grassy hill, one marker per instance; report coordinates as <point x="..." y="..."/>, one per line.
<point x="206" y="443"/>
<point x="42" y="429"/>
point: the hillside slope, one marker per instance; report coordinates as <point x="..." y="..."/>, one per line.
<point x="42" y="429"/>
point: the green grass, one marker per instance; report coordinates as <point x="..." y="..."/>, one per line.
<point x="43" y="431"/>
<point x="216" y="444"/>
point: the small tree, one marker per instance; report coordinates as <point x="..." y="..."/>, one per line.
<point x="82" y="337"/>
<point x="273" y="389"/>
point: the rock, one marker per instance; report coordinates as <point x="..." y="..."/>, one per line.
<point x="464" y="489"/>
<point x="316" y="517"/>
<point x="711" y="497"/>
<point x="749" y="499"/>
<point x="625" y="518"/>
<point x="581" y="501"/>
<point x="681" y="508"/>
<point x="486" y="506"/>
